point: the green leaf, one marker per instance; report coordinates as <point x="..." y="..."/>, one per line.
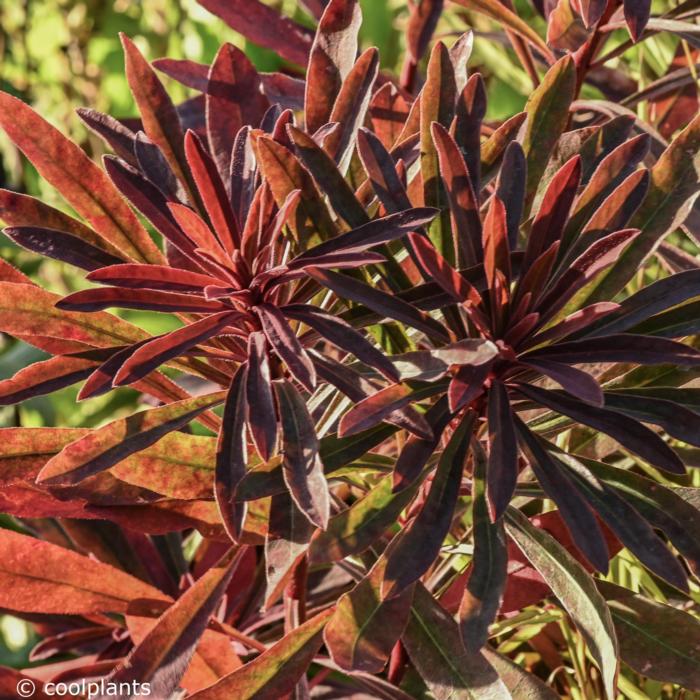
<point x="365" y="627"/>
<point x="656" y="640"/>
<point x="574" y="588"/>
<point x="434" y="646"/>
<point x="358" y="527"/>
<point x="547" y="112"/>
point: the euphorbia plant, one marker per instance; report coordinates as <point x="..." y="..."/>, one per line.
<point x="519" y="401"/>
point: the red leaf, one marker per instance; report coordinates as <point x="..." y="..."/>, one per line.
<point x="502" y="470"/>
<point x="331" y="59"/>
<point x="264" y="26"/>
<point x="637" y="15"/>
<point x="262" y="410"/>
<point x="156" y="352"/>
<point x="233" y="100"/>
<point x="302" y="467"/>
<point x="161" y="277"/>
<point x="286" y="345"/>
<point x="231" y="455"/>
<point x="211" y="190"/>
<point x="106" y="297"/>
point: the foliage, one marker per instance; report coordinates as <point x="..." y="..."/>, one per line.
<point x="428" y="386"/>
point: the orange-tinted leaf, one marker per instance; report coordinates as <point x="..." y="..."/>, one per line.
<point x="275" y="672"/>
<point x="105" y="447"/>
<point x="83" y="184"/>
<point x="161" y="659"/>
<point x="40" y="577"/>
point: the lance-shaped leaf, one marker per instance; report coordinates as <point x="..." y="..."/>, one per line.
<point x="575" y="590"/>
<point x="577" y="382"/>
<point x="372" y="233"/>
<point x="547" y="115"/>
<point x="502" y="472"/>
<point x="487" y="580"/>
<point x="107" y="297"/>
<point x="653" y="299"/>
<point x="417" y="451"/>
<point x="434" y="646"/>
<point x="599" y="256"/>
<point x="331" y="59"/>
<point x="158" y="277"/>
<point x="553" y="211"/>
<point x="354" y="530"/>
<point x="621" y="347"/>
<point x="658" y="641"/>
<point x="511" y="21"/>
<point x="510" y="189"/>
<point x="464" y="204"/>
<point x="388" y="111"/>
<point x="83" y="184"/>
<point x="118" y="136"/>
<point x="262" y="411"/>
<point x="637" y="15"/>
<point x="109" y="445"/>
<point x="212" y="192"/>
<point x="274" y="673"/>
<point x="231" y="456"/>
<point x="233" y="100"/>
<point x="344" y="336"/>
<point x="287" y="346"/>
<point x="419" y="544"/>
<point x="386" y="305"/>
<point x="388" y="404"/>
<point x="302" y="467"/>
<point x="28" y="310"/>
<point x="632" y="530"/>
<point x="437" y="104"/>
<point x="156" y="352"/>
<point x="158" y="114"/>
<point x="661" y="506"/>
<point x="61" y="246"/>
<point x="39" y="577"/>
<point x="610" y="173"/>
<point x="22" y="210"/>
<point x="365" y="627"/>
<point x="577" y="515"/>
<point x="329" y="178"/>
<point x="351" y="105"/>
<point x="381" y="170"/>
<point x="162" y="657"/>
<point x="672" y="192"/>
<point x="45" y="377"/>
<point x="264" y="26"/>
<point x="627" y="431"/>
<point x="285" y="174"/>
<point x="149" y="200"/>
